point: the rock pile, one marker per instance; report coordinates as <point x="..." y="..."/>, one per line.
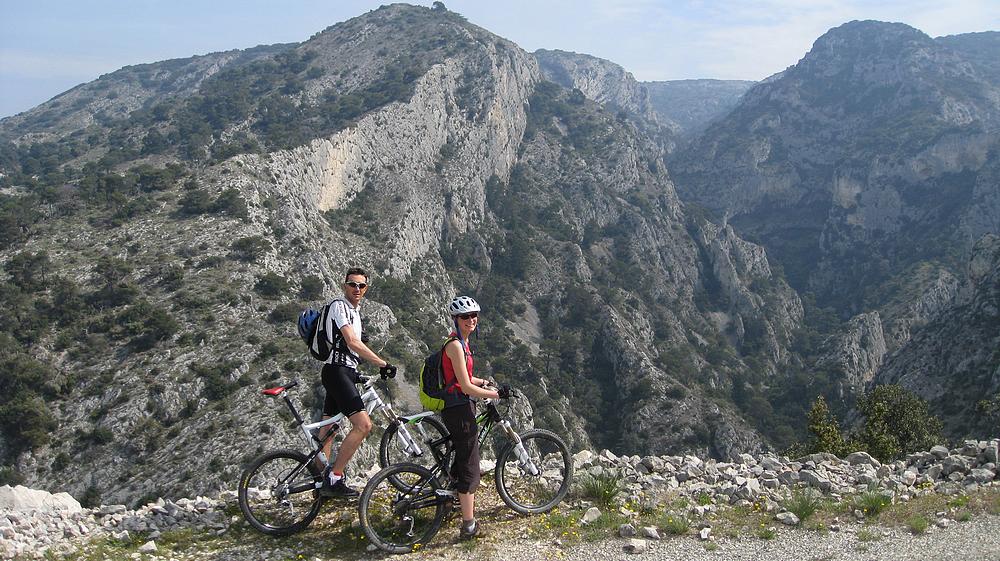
<point x="768" y="478"/>
<point x="33" y="522"/>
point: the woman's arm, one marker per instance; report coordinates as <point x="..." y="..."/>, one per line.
<point x="455" y="354"/>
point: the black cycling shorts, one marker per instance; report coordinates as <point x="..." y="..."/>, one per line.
<point x="461" y="423"/>
<point x="341" y="394"/>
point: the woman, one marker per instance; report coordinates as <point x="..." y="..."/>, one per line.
<point x="459" y="414"/>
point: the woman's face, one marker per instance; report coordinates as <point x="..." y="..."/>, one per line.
<point x="467" y="322"/>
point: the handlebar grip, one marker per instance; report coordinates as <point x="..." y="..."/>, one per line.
<point x="387" y="371"/>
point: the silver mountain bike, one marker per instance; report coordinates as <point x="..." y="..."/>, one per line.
<point x="279" y="490"/>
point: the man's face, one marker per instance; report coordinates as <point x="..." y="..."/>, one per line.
<point x="354" y="288"/>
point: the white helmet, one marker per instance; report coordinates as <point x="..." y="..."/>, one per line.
<point x="462" y="305"/>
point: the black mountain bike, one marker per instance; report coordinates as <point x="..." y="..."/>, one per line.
<point x="404" y="505"/>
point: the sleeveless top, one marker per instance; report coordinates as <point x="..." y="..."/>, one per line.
<point x="455" y="394"/>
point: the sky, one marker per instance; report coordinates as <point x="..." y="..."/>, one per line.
<point x="50" y="46"/>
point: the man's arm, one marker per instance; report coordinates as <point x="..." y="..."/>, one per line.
<point x="359" y="348"/>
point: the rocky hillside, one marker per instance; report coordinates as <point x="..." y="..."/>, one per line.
<point x="694" y="104"/>
<point x="155" y="262"/>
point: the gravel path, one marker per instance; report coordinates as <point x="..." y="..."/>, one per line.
<point x="975" y="540"/>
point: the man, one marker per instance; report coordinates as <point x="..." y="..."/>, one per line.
<point x="340" y="376"/>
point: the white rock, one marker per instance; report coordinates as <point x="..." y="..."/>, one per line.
<point x="705" y="534"/>
<point x="148" y="547"/>
<point x="636" y="546"/>
<point x="787" y="518"/>
<point x="592" y="514"/>
<point x="650" y="532"/>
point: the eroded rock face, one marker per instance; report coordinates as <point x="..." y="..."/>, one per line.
<point x="858" y="351"/>
<point x="600" y="80"/>
<point x="958" y="344"/>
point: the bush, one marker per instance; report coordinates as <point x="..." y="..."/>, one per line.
<point x="803" y="503"/>
<point x="284" y="313"/>
<point x="271" y="284"/>
<point x="312" y="287"/>
<point x="603" y="487"/>
<point x="896" y="422"/>
<point x="825" y="430"/>
<point x="250" y="248"/>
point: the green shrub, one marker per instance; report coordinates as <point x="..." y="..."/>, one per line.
<point x="896" y="422"/>
<point x="803" y="503"/>
<point x="271" y="285"/>
<point x="249" y="248"/>
<point x="871" y="502"/>
<point x="286" y="313"/>
<point x="312" y="287"/>
<point x="674" y="524"/>
<point x="603" y="487"/>
<point x="918" y="524"/>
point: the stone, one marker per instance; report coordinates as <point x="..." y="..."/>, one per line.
<point x="908" y="478"/>
<point x="705" y="534"/>
<point x="650" y="532"/>
<point x="592" y="514"/>
<point x="991" y="453"/>
<point x="863" y="458"/>
<point x="953" y="464"/>
<point x="148" y="547"/>
<point x="934" y="472"/>
<point x="813" y="479"/>
<point x="636" y="546"/>
<point x="787" y="518"/>
<point x="24" y="499"/>
<point x="626" y="531"/>
<point x="940" y="452"/>
<point x="982" y="476"/>
<point x="583" y="458"/>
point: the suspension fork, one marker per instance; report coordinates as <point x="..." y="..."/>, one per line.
<point x="522" y="455"/>
<point x="402" y="433"/>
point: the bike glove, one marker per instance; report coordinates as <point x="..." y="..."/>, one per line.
<point x="387" y="371"/>
<point x="504" y="391"/>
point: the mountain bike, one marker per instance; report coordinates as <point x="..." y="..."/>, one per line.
<point x="404" y="505"/>
<point x="279" y="490"/>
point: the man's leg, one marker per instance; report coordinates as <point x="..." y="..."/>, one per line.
<point x="361" y="425"/>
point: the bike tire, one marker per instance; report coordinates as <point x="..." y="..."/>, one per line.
<point x="277" y="492"/>
<point x="389" y="514"/>
<point x="390" y="451"/>
<point x="534" y="494"/>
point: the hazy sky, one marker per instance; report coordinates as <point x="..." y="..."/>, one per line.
<point x="49" y="46"/>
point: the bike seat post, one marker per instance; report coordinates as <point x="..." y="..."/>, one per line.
<point x="291" y="407"/>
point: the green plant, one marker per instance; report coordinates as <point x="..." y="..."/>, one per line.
<point x="869" y="535"/>
<point x="674" y="524"/>
<point x="766" y="532"/>
<point x="871" y="502"/>
<point x="703" y="499"/>
<point x="917" y="523"/>
<point x="803" y="503"/>
<point x="896" y="422"/>
<point x="963" y="516"/>
<point x="604" y="486"/>
<point x="711" y="546"/>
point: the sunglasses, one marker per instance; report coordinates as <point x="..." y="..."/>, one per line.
<point x="358" y="285"/>
<point x="468" y="316"/>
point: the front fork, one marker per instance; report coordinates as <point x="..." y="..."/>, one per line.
<point x="402" y="433"/>
<point x="522" y="455"/>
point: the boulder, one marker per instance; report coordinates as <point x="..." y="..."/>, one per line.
<point x="787" y="518"/>
<point x="636" y="546"/>
<point x="23" y="499"/>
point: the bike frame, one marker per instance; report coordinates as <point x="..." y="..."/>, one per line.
<point x="373" y="402"/>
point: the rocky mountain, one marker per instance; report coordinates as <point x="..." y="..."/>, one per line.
<point x="157" y="252"/>
<point x="600" y="80"/>
<point x="954" y="361"/>
<point x="692" y="105"/>
<point x="868" y="171"/>
<point x="868" y="157"/>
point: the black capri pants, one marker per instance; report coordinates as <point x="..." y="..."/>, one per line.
<point x="460" y="421"/>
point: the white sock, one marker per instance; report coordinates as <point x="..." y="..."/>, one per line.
<point x="334" y="477"/>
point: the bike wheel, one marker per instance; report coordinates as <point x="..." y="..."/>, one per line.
<point x="276" y="492"/>
<point x="398" y="519"/>
<point x="537" y="480"/>
<point x="391" y="450"/>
